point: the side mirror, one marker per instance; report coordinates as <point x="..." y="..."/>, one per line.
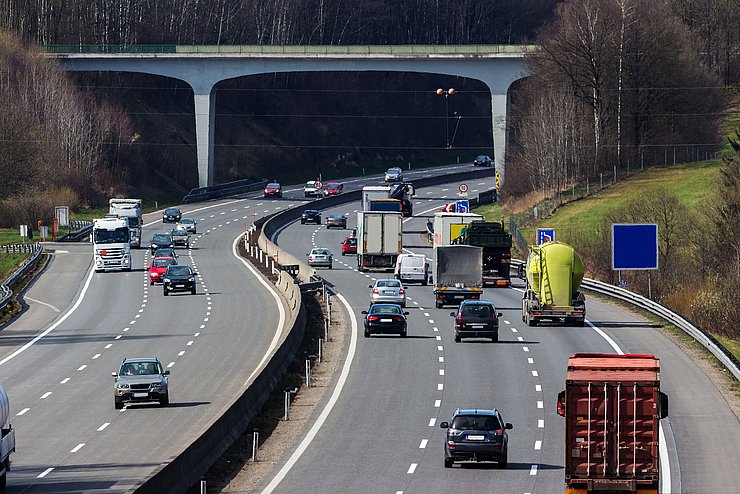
<point x="561" y="403"/>
<point x="444" y="425"/>
<point x="663" y="405"/>
<point x="405" y="313"/>
<point x="114" y="374"/>
<point x="167" y="372"/>
<point x="452" y="314"/>
<point x="498" y="314"/>
<point x="508" y="426"/>
<point x="306" y="255"/>
<point x="369" y="286"/>
<point x="363" y="312"/>
<point x="147" y="268"/>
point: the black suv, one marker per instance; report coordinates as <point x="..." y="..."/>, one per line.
<point x="171" y="215"/>
<point x="178" y="278"/>
<point x="311" y="216"/>
<point x="160" y="240"/>
<point x="476" y="435"/>
<point x="482" y="160"/>
<point x="476" y="319"/>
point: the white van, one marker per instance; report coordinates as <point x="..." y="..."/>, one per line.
<point x="412" y="268"/>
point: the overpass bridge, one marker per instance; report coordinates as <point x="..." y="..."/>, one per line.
<point x="204" y="66"/>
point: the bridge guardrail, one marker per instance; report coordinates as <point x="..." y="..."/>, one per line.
<point x="5" y="288"/>
<point x="223" y="190"/>
<point x="705" y="339"/>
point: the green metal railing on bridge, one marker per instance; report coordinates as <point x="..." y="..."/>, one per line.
<point x="306" y="50"/>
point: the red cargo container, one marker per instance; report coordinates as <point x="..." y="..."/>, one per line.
<point x="612" y="405"/>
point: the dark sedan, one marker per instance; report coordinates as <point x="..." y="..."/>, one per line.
<point x="476" y="319"/>
<point x="178" y="278"/>
<point x="476" y="435"/>
<point x="385" y="318"/>
<point x="171" y="215"/>
<point x="161" y="240"/>
<point x="311" y="216"/>
<point x="336" y="221"/>
<point x="482" y="160"/>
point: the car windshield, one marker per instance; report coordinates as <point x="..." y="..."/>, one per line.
<point x="351" y="241"/>
<point x="385" y="309"/>
<point x="483" y="157"/>
<point x="336" y="217"/>
<point x="475" y="310"/>
<point x="388" y="283"/>
<point x="322" y="252"/>
<point x="161" y="263"/>
<point x="476" y="422"/>
<point x="140" y="369"/>
<point x="161" y="238"/>
<point x="172" y="211"/>
<point x="178" y="270"/>
<point x="178" y="231"/>
<point x="133" y="222"/>
<point x="415" y="262"/>
<point x="187" y="221"/>
<point x="310" y="211"/>
<point x="273" y="186"/>
<point x="333" y="186"/>
<point x="117" y="236"/>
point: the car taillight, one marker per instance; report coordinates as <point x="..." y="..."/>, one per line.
<point x="375" y="291"/>
<point x="398" y="319"/>
<point x="459" y="318"/>
<point x="310" y="258"/>
<point x="401" y="291"/>
<point x="498" y="432"/>
<point x="372" y="318"/>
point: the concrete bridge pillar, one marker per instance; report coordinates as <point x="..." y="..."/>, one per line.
<point x="205" y="120"/>
<point x="498" y="111"/>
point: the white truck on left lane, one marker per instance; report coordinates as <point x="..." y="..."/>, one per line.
<point x="7" y="441"/>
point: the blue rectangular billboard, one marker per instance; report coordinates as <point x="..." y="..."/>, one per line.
<point x="634" y="246"/>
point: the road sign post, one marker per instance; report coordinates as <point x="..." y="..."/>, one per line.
<point x="545" y="235"/>
<point x="463" y="188"/>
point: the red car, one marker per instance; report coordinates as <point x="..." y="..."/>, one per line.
<point x="158" y="267"/>
<point x="349" y="246"/>
<point x="273" y="190"/>
<point x="333" y="189"/>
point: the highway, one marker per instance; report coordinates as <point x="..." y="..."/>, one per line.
<point x="383" y="436"/>
<point x="56" y="358"/>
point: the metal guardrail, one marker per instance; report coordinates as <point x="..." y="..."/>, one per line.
<point x="7" y="293"/>
<point x="223" y="190"/>
<point x="706" y="340"/>
<point x="82" y="229"/>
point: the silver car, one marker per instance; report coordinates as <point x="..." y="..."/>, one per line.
<point x="180" y="236"/>
<point x="320" y="257"/>
<point x="394" y="174"/>
<point x="189" y="225"/>
<point x="141" y="380"/>
<point x="388" y="292"/>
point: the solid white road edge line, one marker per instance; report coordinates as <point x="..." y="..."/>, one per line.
<point x="281" y="309"/>
<point x="665" y="467"/>
<point x="329" y="405"/>
<point x="56" y="324"/>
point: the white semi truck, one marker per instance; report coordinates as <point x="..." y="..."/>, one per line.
<point x="379" y="239"/>
<point x="131" y="210"/>
<point x="111" y="239"/>
<point x="7" y="440"/>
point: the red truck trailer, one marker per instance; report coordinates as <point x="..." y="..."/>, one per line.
<point x="612" y="405"/>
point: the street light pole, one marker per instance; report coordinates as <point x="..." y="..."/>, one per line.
<point x="446" y="93"/>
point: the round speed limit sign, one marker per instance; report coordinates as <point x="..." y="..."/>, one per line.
<point x="463" y="188"/>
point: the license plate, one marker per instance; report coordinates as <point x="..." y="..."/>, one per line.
<point x="476" y="438"/>
<point x="459" y="296"/>
<point x="141" y="395"/>
<point x="477" y="326"/>
<point x="386" y="320"/>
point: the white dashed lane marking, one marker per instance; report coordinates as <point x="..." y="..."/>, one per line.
<point x="432" y="421"/>
<point x="77" y="448"/>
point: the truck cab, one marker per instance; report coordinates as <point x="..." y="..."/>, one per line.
<point x="111" y="239"/>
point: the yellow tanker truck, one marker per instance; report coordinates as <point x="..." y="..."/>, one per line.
<point x="554" y="274"/>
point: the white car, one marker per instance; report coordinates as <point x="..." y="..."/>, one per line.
<point x="320" y="257"/>
<point x="412" y="268"/>
<point x="312" y="189"/>
<point x="188" y="224"/>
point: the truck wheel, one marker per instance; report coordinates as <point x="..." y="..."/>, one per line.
<point x="580" y="322"/>
<point x="531" y="321"/>
<point x="151" y="283"/>
<point x="3" y="480"/>
<point x="192" y="291"/>
<point x="118" y="403"/>
<point x="494" y="339"/>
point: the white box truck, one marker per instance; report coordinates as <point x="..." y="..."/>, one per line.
<point x="111" y="239"/>
<point x="447" y="226"/>
<point x="379" y="239"/>
<point x="372" y="192"/>
<point x="131" y="210"/>
<point x="7" y="440"/>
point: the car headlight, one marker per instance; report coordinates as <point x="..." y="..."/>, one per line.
<point x="191" y="279"/>
<point x="158" y="385"/>
<point x="123" y="386"/>
<point x="154" y="246"/>
<point x="166" y="280"/>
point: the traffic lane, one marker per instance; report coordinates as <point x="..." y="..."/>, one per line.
<point x="49" y="295"/>
<point x="704" y="426"/>
<point x="360" y="429"/>
<point x="107" y="389"/>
